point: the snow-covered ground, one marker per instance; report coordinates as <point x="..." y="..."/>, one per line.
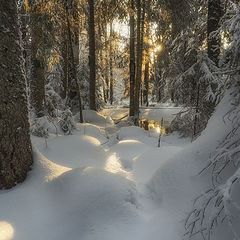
<point x="168" y="113"/>
<point x="90" y="186"/>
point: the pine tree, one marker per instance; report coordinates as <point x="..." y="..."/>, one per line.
<point x="213" y="20"/>
<point x="92" y="57"/>
<point x="37" y="81"/>
<point x="132" y="58"/>
<point x="15" y="144"/>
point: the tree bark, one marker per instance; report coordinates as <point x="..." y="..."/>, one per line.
<point x="139" y="63"/>
<point x="65" y="62"/>
<point x="141" y="43"/>
<point x="106" y="67"/>
<point x="92" y="57"/>
<point x="72" y="69"/>
<point x="146" y="83"/>
<point x="37" y="82"/>
<point x="111" y="63"/>
<point x="214" y="17"/>
<point x="132" y="58"/>
<point x="15" y="144"/>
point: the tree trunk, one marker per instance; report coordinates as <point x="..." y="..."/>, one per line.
<point x="111" y="63"/>
<point x="65" y="57"/>
<point x="214" y="16"/>
<point x="37" y="82"/>
<point x="92" y="60"/>
<point x="195" y="121"/>
<point x="146" y="83"/>
<point x="72" y="70"/>
<point x="132" y="58"/>
<point x="15" y="144"/>
<point x="139" y="61"/>
<point x="141" y="42"/>
<point x="106" y="69"/>
<point x="147" y="57"/>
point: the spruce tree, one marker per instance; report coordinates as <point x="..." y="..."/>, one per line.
<point x="15" y="144"/>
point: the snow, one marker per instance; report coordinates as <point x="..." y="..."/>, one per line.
<point x="91" y="186"/>
<point x="167" y="112"/>
<point x="91" y="116"/>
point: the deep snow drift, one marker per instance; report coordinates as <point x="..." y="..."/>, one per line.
<point x="88" y="186"/>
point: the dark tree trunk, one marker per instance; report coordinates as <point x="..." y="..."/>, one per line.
<point x="142" y="42"/>
<point x="37" y="82"/>
<point x="140" y="22"/>
<point x="195" y="121"/>
<point x="106" y="66"/>
<point x="65" y="65"/>
<point x="72" y="69"/>
<point x="138" y="70"/>
<point x="15" y="144"/>
<point x="214" y="16"/>
<point x="147" y="57"/>
<point x="146" y="83"/>
<point x="111" y="63"/>
<point x="132" y="58"/>
<point x="92" y="60"/>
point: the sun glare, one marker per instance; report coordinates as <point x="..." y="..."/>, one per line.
<point x="158" y="48"/>
<point x="6" y="231"/>
<point x="121" y="28"/>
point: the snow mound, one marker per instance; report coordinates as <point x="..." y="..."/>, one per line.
<point x="43" y="169"/>
<point x="93" y="131"/>
<point x="127" y="150"/>
<point x="131" y="133"/>
<point x="88" y="201"/>
<point x="145" y="165"/>
<point x="177" y="182"/>
<point x="91" y="116"/>
<point x="74" y="151"/>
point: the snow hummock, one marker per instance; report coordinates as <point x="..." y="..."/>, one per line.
<point x="90" y="186"/>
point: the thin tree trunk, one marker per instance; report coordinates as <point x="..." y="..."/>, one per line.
<point x="147" y="57"/>
<point x="141" y="42"/>
<point x="37" y="82"/>
<point x="100" y="29"/>
<point x="72" y="69"/>
<point x="139" y="63"/>
<point x="196" y="112"/>
<point x="65" y="57"/>
<point x="106" y="69"/>
<point x="214" y="17"/>
<point x="132" y="58"/>
<point x="111" y="63"/>
<point x="146" y="82"/>
<point x="15" y="143"/>
<point x="92" y="57"/>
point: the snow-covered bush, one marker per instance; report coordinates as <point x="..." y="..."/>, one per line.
<point x="66" y="122"/>
<point x="53" y="102"/>
<point x="57" y="119"/>
<point x="39" y="127"/>
<point x="183" y="123"/>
